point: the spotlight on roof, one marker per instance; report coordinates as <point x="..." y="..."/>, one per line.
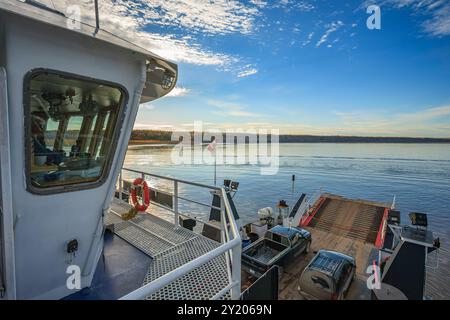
<point x="234" y="185"/>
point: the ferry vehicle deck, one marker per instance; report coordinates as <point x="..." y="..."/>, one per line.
<point x="68" y="102"/>
<point x="352" y="227"/>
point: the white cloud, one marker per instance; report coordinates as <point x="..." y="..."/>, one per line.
<point x="178" y="92"/>
<point x="293" y="5"/>
<point x="119" y="20"/>
<point x="428" y="114"/>
<point x="231" y="109"/>
<point x="439" y="24"/>
<point x="259" y="3"/>
<point x="179" y="50"/>
<point x="153" y="126"/>
<point x="304" y="6"/>
<point x="147" y="106"/>
<point x="129" y="19"/>
<point x="246" y="73"/>
<point x="216" y="17"/>
<point x="334" y="26"/>
<point x="237" y="113"/>
<point x="308" y="40"/>
<point x="426" y="122"/>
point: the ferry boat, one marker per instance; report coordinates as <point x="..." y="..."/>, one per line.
<point x="69" y="222"/>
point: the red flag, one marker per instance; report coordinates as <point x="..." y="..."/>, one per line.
<point x="212" y="146"/>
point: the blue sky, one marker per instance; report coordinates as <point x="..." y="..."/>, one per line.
<point x="303" y="67"/>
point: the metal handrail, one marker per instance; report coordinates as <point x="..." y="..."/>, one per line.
<point x="174" y="179"/>
<point x="231" y="245"/>
<point x="229" y="212"/>
<point x="143" y="174"/>
<point x="175" y="195"/>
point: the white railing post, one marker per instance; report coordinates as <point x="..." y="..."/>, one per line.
<point x="225" y="237"/>
<point x="142" y="191"/>
<point x="175" y="204"/>
<point x="236" y="272"/>
<point x="236" y="251"/>
<point x="120" y="185"/>
<point x="223" y="220"/>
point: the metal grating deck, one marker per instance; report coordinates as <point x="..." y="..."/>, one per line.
<point x="148" y="233"/>
<point x="171" y="248"/>
<point x="202" y="283"/>
<point x="142" y="239"/>
<point x="164" y="229"/>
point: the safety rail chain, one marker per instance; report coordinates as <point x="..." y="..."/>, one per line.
<point x="230" y="242"/>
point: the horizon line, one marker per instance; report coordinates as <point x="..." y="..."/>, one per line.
<point x="314" y="135"/>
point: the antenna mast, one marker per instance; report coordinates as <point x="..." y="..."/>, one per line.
<point x="97" y="20"/>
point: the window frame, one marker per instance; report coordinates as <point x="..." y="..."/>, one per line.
<point x="70" y="187"/>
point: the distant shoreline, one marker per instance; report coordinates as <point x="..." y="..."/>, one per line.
<point x="356" y="141"/>
<point x="150" y="137"/>
<point x="164" y="137"/>
<point x="150" y="142"/>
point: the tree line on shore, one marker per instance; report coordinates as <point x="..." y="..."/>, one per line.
<point x="166" y="136"/>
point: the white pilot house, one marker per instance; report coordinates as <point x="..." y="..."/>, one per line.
<point x="68" y="102"/>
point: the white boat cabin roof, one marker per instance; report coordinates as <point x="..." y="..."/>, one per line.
<point x="39" y="12"/>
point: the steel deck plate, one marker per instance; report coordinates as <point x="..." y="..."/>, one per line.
<point x="200" y="284"/>
<point x="171" y="248"/>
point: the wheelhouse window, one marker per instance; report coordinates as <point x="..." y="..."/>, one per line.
<point x="71" y="124"/>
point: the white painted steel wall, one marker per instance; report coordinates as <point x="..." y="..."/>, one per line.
<point x="45" y="223"/>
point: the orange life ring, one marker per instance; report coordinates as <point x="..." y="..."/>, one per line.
<point x="146" y="195"/>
